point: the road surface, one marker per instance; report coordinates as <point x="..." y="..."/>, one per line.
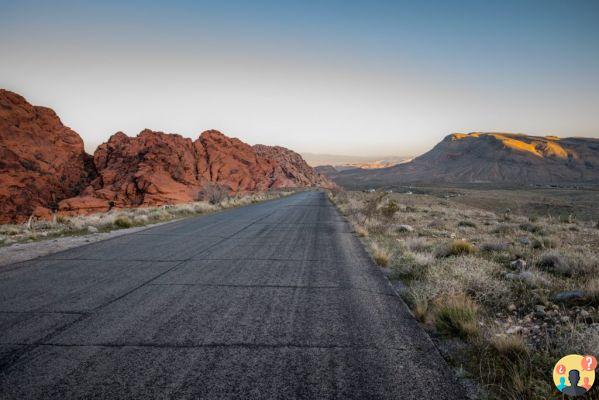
<point x="277" y="300"/>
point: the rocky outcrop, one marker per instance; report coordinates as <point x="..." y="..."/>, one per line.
<point x="491" y="157"/>
<point x="43" y="167"/>
<point x="290" y="168"/>
<point x="41" y="161"/>
<point x="157" y="168"/>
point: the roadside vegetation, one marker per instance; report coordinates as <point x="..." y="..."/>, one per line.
<point x="213" y="199"/>
<point x="504" y="295"/>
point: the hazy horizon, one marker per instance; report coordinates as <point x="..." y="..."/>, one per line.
<point x="344" y="78"/>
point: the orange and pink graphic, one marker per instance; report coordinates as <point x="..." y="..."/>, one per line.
<point x="574" y="374"/>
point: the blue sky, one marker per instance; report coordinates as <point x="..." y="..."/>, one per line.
<point x="349" y="77"/>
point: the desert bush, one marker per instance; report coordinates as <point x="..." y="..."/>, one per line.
<point x="213" y="193"/>
<point x="568" y="264"/>
<point x="455" y="248"/>
<point x="390" y="209"/>
<point x="467" y="224"/>
<point x="456" y="316"/>
<point x="418" y="244"/>
<point x="490" y="247"/>
<point x="543" y="243"/>
<point x="372" y="204"/>
<point x="123" y="222"/>
<point x="410" y="266"/>
<point x="532" y="228"/>
<point x="503" y="229"/>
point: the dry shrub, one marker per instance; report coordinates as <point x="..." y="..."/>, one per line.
<point x="418" y="244"/>
<point x="455" y="248"/>
<point x="571" y="265"/>
<point x="490" y="247"/>
<point x="213" y="193"/>
<point x="372" y="204"/>
<point x="503" y="229"/>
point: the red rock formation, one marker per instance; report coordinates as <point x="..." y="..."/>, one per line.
<point x="291" y="170"/>
<point x="41" y="160"/>
<point x="43" y="166"/>
<point x="156" y="168"/>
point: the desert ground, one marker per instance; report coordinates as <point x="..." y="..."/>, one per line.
<point x="504" y="279"/>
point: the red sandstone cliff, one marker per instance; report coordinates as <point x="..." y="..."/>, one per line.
<point x="41" y="160"/>
<point x="44" y="167"/>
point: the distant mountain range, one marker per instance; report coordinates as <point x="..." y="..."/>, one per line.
<point x="480" y="157"/>
<point x="341" y="162"/>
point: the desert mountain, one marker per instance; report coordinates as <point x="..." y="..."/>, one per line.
<point x="43" y="166"/>
<point x="491" y="157"/>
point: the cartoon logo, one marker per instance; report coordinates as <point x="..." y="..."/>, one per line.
<point x="574" y="374"/>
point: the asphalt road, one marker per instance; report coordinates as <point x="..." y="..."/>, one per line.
<point x="277" y="300"/>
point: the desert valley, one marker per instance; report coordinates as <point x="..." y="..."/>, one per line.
<point x="355" y="200"/>
<point x="490" y="238"/>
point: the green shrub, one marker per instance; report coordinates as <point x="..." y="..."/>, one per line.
<point x="390" y="209"/>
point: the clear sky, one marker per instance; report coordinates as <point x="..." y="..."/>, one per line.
<point x="337" y="77"/>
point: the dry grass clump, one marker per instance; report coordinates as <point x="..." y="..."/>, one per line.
<point x="510" y="346"/>
<point x="360" y="230"/>
<point x="455" y="248"/>
<point x="419" y="303"/>
<point x="380" y="254"/>
<point x="456" y="316"/>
